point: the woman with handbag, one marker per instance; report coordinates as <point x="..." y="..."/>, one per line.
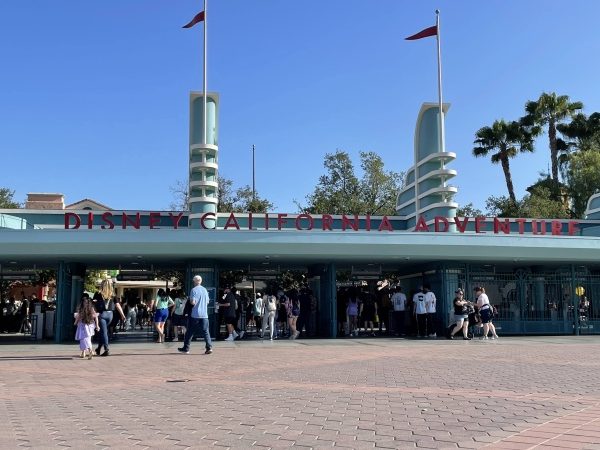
<point x="105" y="307"/>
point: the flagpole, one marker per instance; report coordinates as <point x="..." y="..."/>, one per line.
<point x="442" y="137"/>
<point x="204" y="134"/>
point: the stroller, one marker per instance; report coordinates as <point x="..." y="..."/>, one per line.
<point x="474" y="328"/>
<point x="474" y="322"/>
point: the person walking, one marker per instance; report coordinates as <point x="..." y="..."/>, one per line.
<point x="461" y="315"/>
<point x="257" y="311"/>
<point x="269" y="311"/>
<point x="86" y="320"/>
<point x="228" y="304"/>
<point x="105" y="307"/>
<point x="399" y="303"/>
<point x="430" y="307"/>
<point x="485" y="311"/>
<point x="163" y="303"/>
<point x="352" y="311"/>
<point x="178" y="321"/>
<point x="420" y="313"/>
<point x="293" y="311"/>
<point x="198" y="319"/>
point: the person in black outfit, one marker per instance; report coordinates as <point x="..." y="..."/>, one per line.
<point x="305" y="309"/>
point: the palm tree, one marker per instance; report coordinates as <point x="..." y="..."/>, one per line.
<point x="552" y="110"/>
<point x="508" y="139"/>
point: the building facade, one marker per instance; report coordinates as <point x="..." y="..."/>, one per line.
<point x="542" y="275"/>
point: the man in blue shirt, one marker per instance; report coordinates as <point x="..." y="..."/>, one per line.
<point x="198" y="319"/>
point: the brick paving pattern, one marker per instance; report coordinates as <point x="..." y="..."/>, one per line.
<point x="515" y="393"/>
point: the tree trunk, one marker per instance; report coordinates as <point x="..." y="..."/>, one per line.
<point x="508" y="177"/>
<point x="553" y="149"/>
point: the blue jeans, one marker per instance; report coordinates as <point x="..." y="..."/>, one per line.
<point x="194" y="327"/>
<point x="104" y="321"/>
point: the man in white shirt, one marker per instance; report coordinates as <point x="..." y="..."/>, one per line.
<point x="399" y="302"/>
<point x="420" y="312"/>
<point x="430" y="304"/>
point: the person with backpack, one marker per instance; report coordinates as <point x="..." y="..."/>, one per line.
<point x="268" y="312"/>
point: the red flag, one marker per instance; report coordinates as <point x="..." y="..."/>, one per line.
<point x="431" y="31"/>
<point x="197" y="18"/>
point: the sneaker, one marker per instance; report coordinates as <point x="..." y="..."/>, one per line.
<point x="183" y="350"/>
<point x="495" y="336"/>
<point x="208" y="351"/>
<point x="296" y="334"/>
<point x="483" y="338"/>
<point x="235" y="335"/>
<point x="271" y="339"/>
<point x="466" y="338"/>
<point x="450" y="337"/>
<point x="242" y="333"/>
<point x="432" y="335"/>
<point x="230" y="338"/>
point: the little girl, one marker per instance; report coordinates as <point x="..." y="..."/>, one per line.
<point x="86" y="319"/>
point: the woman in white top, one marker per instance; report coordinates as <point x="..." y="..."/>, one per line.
<point x="269" y="310"/>
<point x="485" y="311"/>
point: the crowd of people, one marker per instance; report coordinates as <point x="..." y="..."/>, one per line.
<point x="386" y="311"/>
<point x="15" y="315"/>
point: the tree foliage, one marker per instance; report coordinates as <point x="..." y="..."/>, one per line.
<point x="468" y="210"/>
<point x="341" y="191"/>
<point x="583" y="179"/>
<point x="7" y="199"/>
<point x="550" y="110"/>
<point x="504" y="140"/>
<point x="229" y="200"/>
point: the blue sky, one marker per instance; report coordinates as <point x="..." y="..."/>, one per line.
<point x="94" y="95"/>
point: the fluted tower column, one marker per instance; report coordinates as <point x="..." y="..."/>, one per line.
<point x="204" y="160"/>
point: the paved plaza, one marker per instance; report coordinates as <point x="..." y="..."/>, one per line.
<point x="514" y="393"/>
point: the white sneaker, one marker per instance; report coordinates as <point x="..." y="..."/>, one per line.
<point x="483" y="338"/>
<point x="230" y="338"/>
<point x="235" y="335"/>
<point x="495" y="336"/>
<point x="242" y="334"/>
<point x="433" y="335"/>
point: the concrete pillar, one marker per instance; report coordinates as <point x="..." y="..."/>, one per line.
<point x="70" y="278"/>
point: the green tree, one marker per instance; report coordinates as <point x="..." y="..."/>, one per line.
<point x="247" y="201"/>
<point x="583" y="179"/>
<point x="340" y="191"/>
<point x="468" y="210"/>
<point x="540" y="203"/>
<point x="229" y="200"/>
<point x="503" y="206"/>
<point x="7" y="199"/>
<point x="550" y="110"/>
<point x="507" y="140"/>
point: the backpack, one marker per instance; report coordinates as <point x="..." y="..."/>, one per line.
<point x="271" y="305"/>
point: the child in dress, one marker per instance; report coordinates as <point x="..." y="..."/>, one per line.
<point x="86" y="319"/>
